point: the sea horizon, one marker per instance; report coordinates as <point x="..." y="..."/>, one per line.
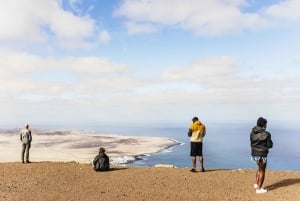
<point x="226" y="146"/>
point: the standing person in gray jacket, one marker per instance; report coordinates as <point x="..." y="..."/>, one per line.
<point x="261" y="142"/>
<point x="26" y="138"/>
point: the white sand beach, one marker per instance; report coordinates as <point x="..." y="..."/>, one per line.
<point x="70" y="146"/>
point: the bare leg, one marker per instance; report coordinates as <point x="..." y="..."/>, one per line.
<point x="260" y="175"/>
<point x="201" y="163"/>
<point x="257" y="175"/>
<point x="194" y="162"/>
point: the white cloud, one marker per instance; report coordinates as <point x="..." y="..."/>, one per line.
<point x="204" y="69"/>
<point x="104" y="36"/>
<point x="97" y="88"/>
<point x="214" y="17"/>
<point x="22" y="62"/>
<point x="286" y="10"/>
<point x="220" y="81"/>
<point x="67" y="26"/>
<point x="34" y="75"/>
<point x="20" y="21"/>
<point x="94" y="87"/>
<point x="44" y="21"/>
<point x="136" y="28"/>
<point x="203" y="17"/>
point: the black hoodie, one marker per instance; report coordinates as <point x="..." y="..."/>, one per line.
<point x="260" y="141"/>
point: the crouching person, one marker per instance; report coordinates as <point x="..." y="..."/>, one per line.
<point x="101" y="161"/>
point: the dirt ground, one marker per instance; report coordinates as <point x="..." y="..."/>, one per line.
<point x="71" y="181"/>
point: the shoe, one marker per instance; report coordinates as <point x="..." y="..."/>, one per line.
<point x="193" y="170"/>
<point x="202" y="170"/>
<point x="23" y="162"/>
<point x="28" y="161"/>
<point x="255" y="186"/>
<point x="259" y="191"/>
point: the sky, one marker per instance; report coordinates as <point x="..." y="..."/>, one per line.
<point x="149" y="61"/>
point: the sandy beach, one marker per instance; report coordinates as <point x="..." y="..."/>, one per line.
<point x="66" y="146"/>
<point x="79" y="182"/>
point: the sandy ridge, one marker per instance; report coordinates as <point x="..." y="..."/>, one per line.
<point x="72" y="181"/>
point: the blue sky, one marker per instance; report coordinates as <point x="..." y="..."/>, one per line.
<point x="149" y="61"/>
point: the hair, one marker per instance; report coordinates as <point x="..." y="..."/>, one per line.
<point x="26" y="126"/>
<point x="195" y="119"/>
<point x="261" y="122"/>
<point x="101" y="150"/>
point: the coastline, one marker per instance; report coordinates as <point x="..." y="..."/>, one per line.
<point x="66" y="146"/>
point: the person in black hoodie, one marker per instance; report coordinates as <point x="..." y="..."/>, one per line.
<point x="261" y="142"/>
<point x="101" y="161"/>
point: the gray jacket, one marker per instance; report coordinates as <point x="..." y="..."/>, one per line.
<point x="25" y="136"/>
<point x="261" y="141"/>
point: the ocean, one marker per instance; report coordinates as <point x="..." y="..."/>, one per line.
<point x="226" y="146"/>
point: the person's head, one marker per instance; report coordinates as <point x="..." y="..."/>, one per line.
<point x="262" y="122"/>
<point x="195" y="119"/>
<point x="101" y="150"/>
<point x="26" y="126"/>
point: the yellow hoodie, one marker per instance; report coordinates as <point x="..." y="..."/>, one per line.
<point x="198" y="131"/>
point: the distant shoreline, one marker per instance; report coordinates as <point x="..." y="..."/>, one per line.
<point x="69" y="146"/>
<point x="219" y="152"/>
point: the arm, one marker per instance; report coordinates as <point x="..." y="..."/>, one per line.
<point x="251" y="139"/>
<point x="190" y="132"/>
<point x="95" y="160"/>
<point x="30" y="136"/>
<point x="269" y="141"/>
<point x="107" y="164"/>
<point x="204" y="131"/>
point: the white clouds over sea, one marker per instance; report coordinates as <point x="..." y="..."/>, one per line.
<point x="155" y="61"/>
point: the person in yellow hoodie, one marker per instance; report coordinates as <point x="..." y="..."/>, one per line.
<point x="196" y="133"/>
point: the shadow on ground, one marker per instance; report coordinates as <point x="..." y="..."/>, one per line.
<point x="283" y="183"/>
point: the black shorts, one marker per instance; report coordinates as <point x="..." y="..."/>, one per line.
<point x="196" y="149"/>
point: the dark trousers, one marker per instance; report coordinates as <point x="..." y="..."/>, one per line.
<point x="25" y="151"/>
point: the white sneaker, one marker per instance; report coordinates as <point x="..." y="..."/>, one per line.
<point x="259" y="191"/>
<point x="255" y="186"/>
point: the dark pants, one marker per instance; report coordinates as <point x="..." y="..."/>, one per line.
<point x="196" y="149"/>
<point x="25" y="150"/>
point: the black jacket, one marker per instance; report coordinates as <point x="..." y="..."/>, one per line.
<point x="261" y="142"/>
<point x="101" y="162"/>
